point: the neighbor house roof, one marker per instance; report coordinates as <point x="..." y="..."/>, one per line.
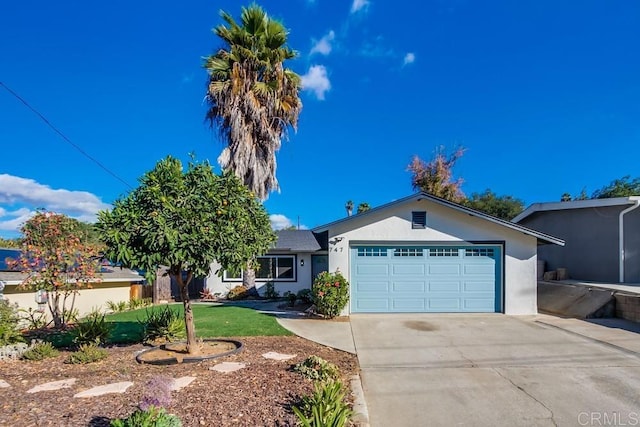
<point x="542" y="237"/>
<point x="575" y="204"/>
<point x="296" y="241"/>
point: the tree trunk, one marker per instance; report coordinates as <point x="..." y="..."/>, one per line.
<point x="249" y="281"/>
<point x="192" y="345"/>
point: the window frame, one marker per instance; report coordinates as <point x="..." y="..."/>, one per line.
<point x="294" y="258"/>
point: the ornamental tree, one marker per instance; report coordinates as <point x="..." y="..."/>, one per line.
<point x="436" y="176"/>
<point x="185" y="220"/>
<point x="55" y="258"/>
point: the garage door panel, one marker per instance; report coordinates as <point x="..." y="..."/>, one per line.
<point x="426" y="278"/>
<point x="444" y="286"/>
<point x="444" y="269"/>
<point x="364" y="287"/>
<point x="408" y="305"/>
<point x="372" y="269"/>
<point x="408" y="270"/>
<point x="408" y="286"/>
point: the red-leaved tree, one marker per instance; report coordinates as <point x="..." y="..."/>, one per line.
<point x="55" y="258"/>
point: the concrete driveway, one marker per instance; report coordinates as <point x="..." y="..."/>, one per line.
<point x="492" y="370"/>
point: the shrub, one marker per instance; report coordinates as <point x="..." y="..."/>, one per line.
<point x="207" y="295"/>
<point x="92" y="329"/>
<point x="239" y="292"/>
<point x="291" y="298"/>
<point x="117" y="307"/>
<point x="270" y="291"/>
<point x="162" y="324"/>
<point x="40" y="351"/>
<point x="151" y="417"/>
<point x="326" y="407"/>
<point x="330" y="293"/>
<point x="32" y="319"/>
<point x="88" y="353"/>
<point x="9" y="319"/>
<point x="317" y="369"/>
<point x="305" y="296"/>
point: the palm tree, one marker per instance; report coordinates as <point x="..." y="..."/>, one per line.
<point x="363" y="207"/>
<point x="253" y="100"/>
<point x="349" y="207"/>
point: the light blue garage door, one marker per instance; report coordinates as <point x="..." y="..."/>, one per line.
<point x="413" y="279"/>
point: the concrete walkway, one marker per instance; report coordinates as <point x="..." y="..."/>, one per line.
<point x="336" y="334"/>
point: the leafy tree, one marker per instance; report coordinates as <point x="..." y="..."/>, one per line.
<point x="566" y="197"/>
<point x="622" y="187"/>
<point x="56" y="259"/>
<point x="186" y="220"/>
<point x="363" y="207"/>
<point x="505" y="207"/>
<point x="9" y="243"/>
<point x="253" y="100"/>
<point x="436" y="176"/>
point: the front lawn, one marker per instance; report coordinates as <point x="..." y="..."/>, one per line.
<point x="211" y="322"/>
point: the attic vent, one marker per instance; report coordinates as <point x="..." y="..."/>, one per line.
<point x="419" y="219"/>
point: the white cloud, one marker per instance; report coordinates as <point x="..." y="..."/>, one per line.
<point x="316" y="81"/>
<point x="409" y="58"/>
<point x="280" y="222"/>
<point x="31" y="195"/>
<point x="323" y="46"/>
<point x="358" y="5"/>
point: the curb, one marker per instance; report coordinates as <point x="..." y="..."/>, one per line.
<point x="360" y="411"/>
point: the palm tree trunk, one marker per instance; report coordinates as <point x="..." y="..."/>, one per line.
<point x="183" y="285"/>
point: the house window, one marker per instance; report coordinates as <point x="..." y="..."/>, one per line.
<point x="487" y="252"/>
<point x="418" y="219"/>
<point x="372" y="251"/>
<point x="276" y="267"/>
<point x="408" y="252"/>
<point x="439" y="252"/>
<point x="269" y="268"/>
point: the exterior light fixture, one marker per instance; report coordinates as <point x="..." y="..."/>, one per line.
<point x="301" y="263"/>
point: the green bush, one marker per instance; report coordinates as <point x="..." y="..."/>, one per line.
<point x="117" y="307"/>
<point x="326" y="407"/>
<point x="305" y="296"/>
<point x="32" y="319"/>
<point x="151" y="417"/>
<point x="162" y="324"/>
<point x="317" y="369"/>
<point x="40" y="351"/>
<point x="270" y="291"/>
<point x="88" y="353"/>
<point x="239" y="292"/>
<point x="330" y="293"/>
<point x="9" y="319"/>
<point x="291" y="298"/>
<point x="92" y="329"/>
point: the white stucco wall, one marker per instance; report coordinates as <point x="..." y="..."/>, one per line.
<point x="444" y="225"/>
<point x="216" y="284"/>
<point x="86" y="301"/>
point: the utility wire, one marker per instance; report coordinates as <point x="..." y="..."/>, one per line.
<point x="63" y="136"/>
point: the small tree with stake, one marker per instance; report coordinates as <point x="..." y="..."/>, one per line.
<point x="186" y="220"/>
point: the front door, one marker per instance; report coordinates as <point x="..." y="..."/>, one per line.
<point x="319" y="263"/>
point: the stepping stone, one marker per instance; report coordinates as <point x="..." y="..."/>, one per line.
<point x="225" y="367"/>
<point x="4" y="384"/>
<point x="278" y="356"/>
<point x="105" y="389"/>
<point x="182" y="382"/>
<point x="55" y="385"/>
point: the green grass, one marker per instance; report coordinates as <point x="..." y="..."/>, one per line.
<point x="211" y="322"/>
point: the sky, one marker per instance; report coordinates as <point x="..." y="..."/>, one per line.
<point x="544" y="95"/>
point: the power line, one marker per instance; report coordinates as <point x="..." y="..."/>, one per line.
<point x="63" y="136"/>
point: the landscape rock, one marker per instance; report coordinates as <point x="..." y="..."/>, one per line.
<point x="225" y="367"/>
<point x="55" y="385"/>
<point x="278" y="356"/>
<point x="182" y="382"/>
<point x="4" y="384"/>
<point x="105" y="389"/>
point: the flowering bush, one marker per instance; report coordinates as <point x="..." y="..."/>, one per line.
<point x="330" y="293"/>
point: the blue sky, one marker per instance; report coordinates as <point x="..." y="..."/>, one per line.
<point x="545" y="96"/>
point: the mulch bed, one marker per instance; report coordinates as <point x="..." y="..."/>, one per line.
<point x="259" y="395"/>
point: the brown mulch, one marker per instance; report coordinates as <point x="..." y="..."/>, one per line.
<point x="259" y="395"/>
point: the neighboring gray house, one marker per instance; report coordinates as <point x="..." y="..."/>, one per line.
<point x="602" y="237"/>
<point x="416" y="254"/>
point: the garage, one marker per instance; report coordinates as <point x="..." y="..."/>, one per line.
<point x="433" y="278"/>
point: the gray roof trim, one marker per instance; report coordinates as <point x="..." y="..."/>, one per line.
<point x="296" y="241"/>
<point x="574" y="204"/>
<point x="542" y="237"/>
